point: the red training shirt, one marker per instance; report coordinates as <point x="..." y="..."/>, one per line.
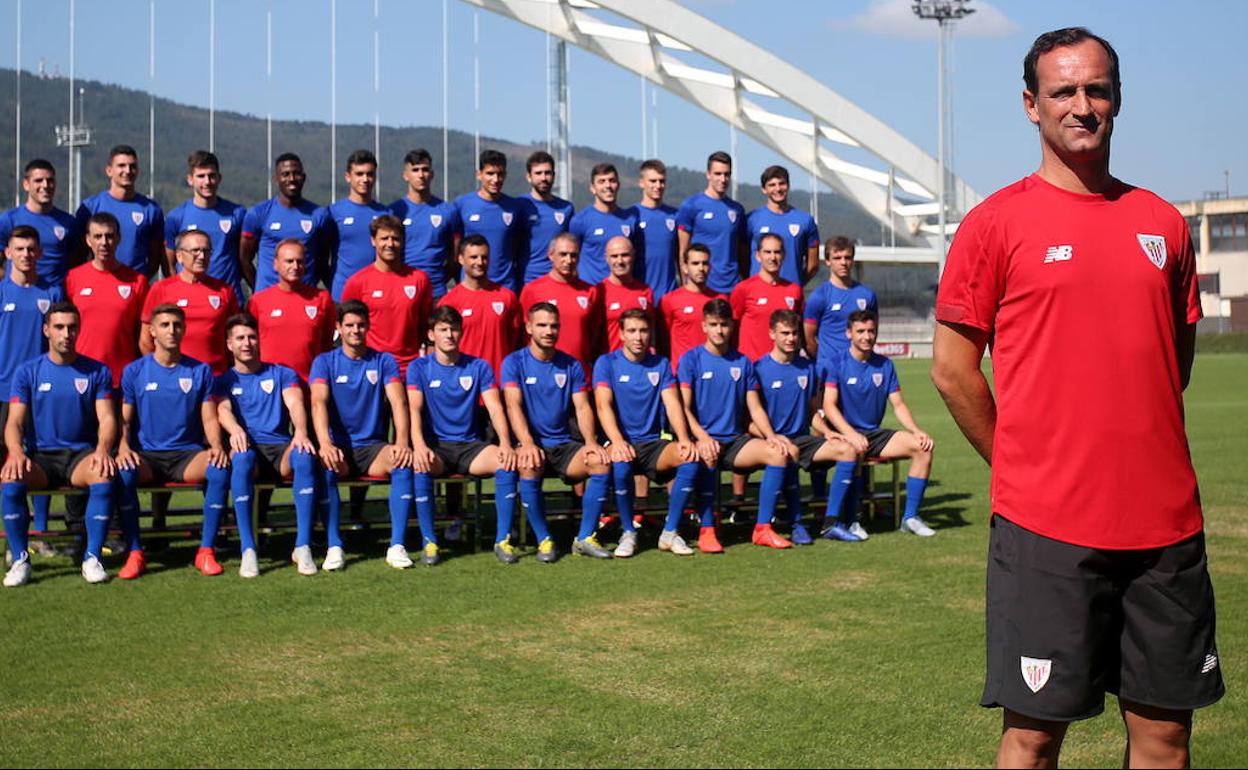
<point x="109" y="303"/>
<point x="616" y="298"/>
<point x="580" y="314"/>
<point x="680" y="311"/>
<point x="295" y="326"/>
<point x="491" y="321"/>
<point x="398" y="302"/>
<point x="208" y="303"/>
<point x="753" y="302"/>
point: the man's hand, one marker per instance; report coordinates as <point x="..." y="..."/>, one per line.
<point x="688" y="451"/>
<point x="858" y="442"/>
<point x="218" y="457"/>
<point x="101" y="463"/>
<point x="301" y="443"/>
<point x="507" y="458"/>
<point x="530" y="457"/>
<point x="127" y="458"/>
<point x="708" y="450"/>
<point x="400" y="456"/>
<point x="333" y="458"/>
<point x="422" y="458"/>
<point x="16" y="467"/>
<point x="622" y="452"/>
<point x="238" y="440"/>
<point x="925" y="441"/>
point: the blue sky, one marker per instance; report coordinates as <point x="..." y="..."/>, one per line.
<point x="1184" y="71"/>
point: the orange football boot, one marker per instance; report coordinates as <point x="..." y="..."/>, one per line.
<point x="765" y="535"/>
<point x="707" y="542"/>
<point x="206" y="562"/>
<point x="135" y="565"/>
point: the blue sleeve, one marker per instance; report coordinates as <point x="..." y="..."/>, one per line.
<point x="752" y="380"/>
<point x="812" y="234"/>
<point x="602" y="371"/>
<point x="485" y="376"/>
<point x="171" y="229"/>
<point x="221" y="386"/>
<point x="872" y="302"/>
<point x="684" y="368"/>
<point x="666" y="380"/>
<point x="509" y="371"/>
<point x="251" y="221"/>
<point x="454" y="221"/>
<point x="56" y="293"/>
<point x="158" y="224"/>
<point x="128" y="376"/>
<point x="413" y="375"/>
<point x="389" y="369"/>
<point x="894" y="384"/>
<point x="320" y="369"/>
<point x="103" y="383"/>
<point x="685" y="214"/>
<point x="576" y="373"/>
<point x="816" y="304"/>
<point x="577" y="226"/>
<point x="20" y="391"/>
<point x="82" y="215"/>
<point x="204" y="374"/>
<point x="6" y="227"/>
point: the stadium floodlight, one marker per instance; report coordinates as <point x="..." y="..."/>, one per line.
<point x="944" y="12"/>
<point x="74" y="137"/>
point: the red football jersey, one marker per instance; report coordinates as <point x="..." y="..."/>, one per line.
<point x="616" y="298"/>
<point x="680" y="311"/>
<point x="1082" y="294"/>
<point x="580" y="314"/>
<point x="398" y="309"/>
<point x="208" y="303"/>
<point x="295" y="326"/>
<point x="491" y="321"/>
<point x="110" y="305"/>
<point x="753" y="302"/>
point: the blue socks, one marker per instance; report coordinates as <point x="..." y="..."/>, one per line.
<point x="769" y="492"/>
<point x="128" y="506"/>
<point x="243" y="487"/>
<point x="505" y="486"/>
<point x="683" y="486"/>
<point x="42" y="505"/>
<point x="304" y="465"/>
<point x="708" y="480"/>
<point x="842" y="481"/>
<point x="333" y="507"/>
<point x="531" y="496"/>
<point x="216" y="486"/>
<point x="915" y="488"/>
<point x="99" y="510"/>
<point x="16" y="517"/>
<point x="622" y="476"/>
<point x="793" y="493"/>
<point x="422" y="484"/>
<point x="591" y="507"/>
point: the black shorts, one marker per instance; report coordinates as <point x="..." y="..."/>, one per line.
<point x="647" y="460"/>
<point x="58" y="464"/>
<point x="878" y="439"/>
<point x="457" y="456"/>
<point x="728" y="450"/>
<point x="360" y="458"/>
<point x="807" y="446"/>
<point x="170" y="464"/>
<point x="560" y="456"/>
<point x="1067" y="624"/>
<point x="269" y="461"/>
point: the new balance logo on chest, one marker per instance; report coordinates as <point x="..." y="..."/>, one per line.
<point x="1059" y="254"/>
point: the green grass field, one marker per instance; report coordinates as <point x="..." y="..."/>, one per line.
<point x="834" y="655"/>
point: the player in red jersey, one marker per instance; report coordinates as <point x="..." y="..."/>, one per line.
<point x="1100" y="585"/>
<point x="296" y="320"/>
<point x="491" y="313"/>
<point x="621" y="291"/>
<point x="206" y="301"/>
<point x="580" y="304"/>
<point x="398" y="297"/>
<point x="757" y="297"/>
<point x="109" y="296"/>
<point x="680" y="311"/>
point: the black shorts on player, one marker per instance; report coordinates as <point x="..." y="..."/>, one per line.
<point x="647" y="458"/>
<point x="808" y="445"/>
<point x="269" y="461"/>
<point x="58" y="464"/>
<point x="457" y="456"/>
<point x="360" y="459"/>
<point x="728" y="451"/>
<point x="878" y="439"/>
<point x="169" y="465"/>
<point x="559" y="457"/>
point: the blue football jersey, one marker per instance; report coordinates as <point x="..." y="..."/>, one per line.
<point x="547" y="388"/>
<point x="21" y="324"/>
<point x="142" y="222"/>
<point x="637" y="387"/>
<point x="504" y="225"/>
<point x="271" y="223"/>
<point x="656" y="257"/>
<point x="862" y="387"/>
<point x="359" y="412"/>
<point x="257" y="401"/>
<point x="786" y="391"/>
<point x="429" y="242"/>
<point x="595" y="228"/>
<point x="719" y="224"/>
<point x="719" y="385"/>
<point x="796" y="228"/>
<point x="167" y="402"/>
<point x="546" y="220"/>
<point x="351" y="244"/>
<point x="830" y="306"/>
<point x="224" y="225"/>
<point x="61" y="398"/>
<point x="59" y="239"/>
<point x="451" y="395"/>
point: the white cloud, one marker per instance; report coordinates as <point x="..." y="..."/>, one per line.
<point x="896" y="18"/>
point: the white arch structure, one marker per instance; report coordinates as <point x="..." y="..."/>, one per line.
<point x="902" y="195"/>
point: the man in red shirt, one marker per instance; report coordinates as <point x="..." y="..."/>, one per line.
<point x="580" y="304"/>
<point x="491" y="313"/>
<point x="109" y="297"/>
<point x="621" y="291"/>
<point x="1098" y="584"/>
<point x="398" y="297"/>
<point x="757" y="297"/>
<point x="680" y="311"/>
<point x="206" y="301"/>
<point x="296" y="320"/>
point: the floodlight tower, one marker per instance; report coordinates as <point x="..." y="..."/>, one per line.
<point x="76" y="137"/>
<point x="944" y="12"/>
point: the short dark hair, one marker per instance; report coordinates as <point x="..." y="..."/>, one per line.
<point x="701" y="248"/>
<point x="786" y="317"/>
<point x="26" y="232"/>
<point x="719" y="156"/>
<point x="861" y="316"/>
<point x="64" y="306"/>
<point x="634" y="314"/>
<point x="717" y="308"/>
<point x="765" y="236"/>
<point x="386" y="222"/>
<point x="202" y="159"/>
<point x="241" y="319"/>
<point x="122" y="149"/>
<point x="361" y="158"/>
<point x="1062" y="38"/>
<point x="168" y="308"/>
<point x="538" y="158"/>
<point x="491" y="158"/>
<point x="445" y="314"/>
<point x="476" y="239"/>
<point x="182" y="235"/>
<point x="106" y="219"/>
<point x="602" y="169"/>
<point x="839" y="243"/>
<point x="542" y="307"/>
<point x="287" y="157"/>
<point x="39" y="164"/>
<point x="773" y="172"/>
<point x="653" y="164"/>
<point x="417" y="156"/>
<point x="352" y="307"/>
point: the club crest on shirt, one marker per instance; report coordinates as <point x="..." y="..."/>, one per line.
<point x="1154" y="248"/>
<point x="735" y="372"/>
<point x="497" y="307"/>
<point x="561" y="379"/>
<point x="185" y="384"/>
<point x="136" y="217"/>
<point x="306" y="225"/>
<point x="559" y="217"/>
<point x="583" y="302"/>
<point x="465" y="382"/>
<point x="878" y="379"/>
<point x="43" y="305"/>
<point x="507" y="218"/>
<point x="183" y="302"/>
<point x="794" y="230"/>
<point x="435" y="220"/>
<point x="410" y="291"/>
<point x="59" y="232"/>
<point x="225" y="225"/>
<point x="862" y="304"/>
<point x="627" y="230"/>
<point x="653" y="377"/>
<point x="732" y="216"/>
<point x="1035" y="672"/>
<point x="80" y="385"/>
<point x="266" y="386"/>
<point x="215" y="301"/>
<point x="802" y="380"/>
<point x="791" y="302"/>
<point x="643" y="302"/>
<point x="671" y="224"/>
<point x="310" y="310"/>
<point x="124" y="291"/>
<point x="371" y="374"/>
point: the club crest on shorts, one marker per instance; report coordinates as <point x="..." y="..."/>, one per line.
<point x="735" y="372"/>
<point x="136" y="217"/>
<point x="266" y="386"/>
<point x="1035" y="672"/>
<point x="791" y="302"/>
<point x="507" y="218"/>
<point x="371" y="374"/>
<point x="862" y="304"/>
<point x="225" y="225"/>
<point x="794" y="230"/>
<point x="465" y="382"/>
<point x="627" y="230"/>
<point x="1154" y="248"/>
<point x="559" y="215"/>
<point x="878" y="379"/>
<point x="561" y="379"/>
<point x="583" y="302"/>
<point x="653" y="377"/>
<point x="671" y="224"/>
<point x="410" y="291"/>
<point x="59" y="232"/>
<point x="306" y="225"/>
<point x="80" y="385"/>
<point x="802" y="380"/>
<point x="732" y="216"/>
<point x="43" y="305"/>
<point x="185" y="384"/>
<point x="310" y="310"/>
<point x="215" y="301"/>
<point x="497" y="307"/>
<point x="435" y="220"/>
<point x="124" y="291"/>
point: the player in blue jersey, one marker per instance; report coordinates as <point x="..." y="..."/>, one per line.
<point x="286" y="215"/>
<point x="169" y="432"/>
<point x="715" y="382"/>
<point x="858" y="388"/>
<point x="262" y="410"/>
<point x="657" y="263"/>
<point x="791" y="391"/>
<point x="431" y="224"/>
<point x="547" y="214"/>
<point x="546" y="394"/>
<point x="209" y="213"/>
<point x="142" y="244"/>
<point x="796" y="227"/>
<point x="59" y="236"/>
<point x="716" y="220"/>
<point x="443" y="390"/>
<point x="634" y="390"/>
<point x="356" y="392"/>
<point x="499" y="218"/>
<point x="60" y="431"/>
<point x="828" y="308"/>
<point x="601" y="222"/>
<point x="352" y="249"/>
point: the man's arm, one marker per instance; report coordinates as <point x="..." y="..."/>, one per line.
<point x="833" y="415"/>
<point x="293" y="398"/>
<point x="217" y="453"/>
<point x="102" y="459"/>
<point x="708" y="448"/>
<point x="812" y="260"/>
<point x="17" y="464"/>
<point x="498" y="418"/>
<point x="157" y="259"/>
<point x="683" y="237"/>
<point x="231" y="426"/>
<point x="248" y="247"/>
<point x="529" y="454"/>
<point x="676" y="421"/>
<point x="621" y="450"/>
<point x="589" y="429"/>
<point x="402" y="453"/>
<point x="758" y="416"/>
<point x="127" y="457"/>
<point x="957" y="352"/>
<point x="331" y="456"/>
<point x="422" y="455"/>
<point x="907" y="420"/>
<point x="812" y="339"/>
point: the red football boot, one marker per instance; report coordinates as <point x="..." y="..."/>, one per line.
<point x="135" y="565"/>
<point x="765" y="535"/>
<point x="206" y="562"/>
<point x="707" y="542"/>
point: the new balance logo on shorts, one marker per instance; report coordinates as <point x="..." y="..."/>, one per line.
<point x="1058" y="254"/>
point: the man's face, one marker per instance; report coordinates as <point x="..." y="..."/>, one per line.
<point x="419" y="176"/>
<point x="1074" y="106"/>
<point x="862" y="335"/>
<point x="388" y="245"/>
<point x="167" y="331"/>
<point x="244" y="344"/>
<point x="353" y="329"/>
<point x="840" y="263"/>
<point x="719" y="177"/>
<point x="204" y="181"/>
<point x="290" y="263"/>
<point x="605" y="187"/>
<point x="102" y="240"/>
<point x="289" y="177"/>
<point x="123" y="171"/>
<point x="541" y="178"/>
<point x="635" y="334"/>
<point x="718" y="330"/>
<point x="770" y="255"/>
<point x="445" y="337"/>
<point x="653" y="185"/>
<point x="619" y="254"/>
<point x="61" y="329"/>
<point x="360" y="179"/>
<point x="492" y="179"/>
<point x="697" y="267"/>
<point x="777" y="190"/>
<point x="194" y="252"/>
<point x="476" y="261"/>
<point x="23" y="253"/>
<point x="543" y="329"/>
<point x="565" y="256"/>
<point x="40" y="186"/>
<point x="785" y="338"/>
